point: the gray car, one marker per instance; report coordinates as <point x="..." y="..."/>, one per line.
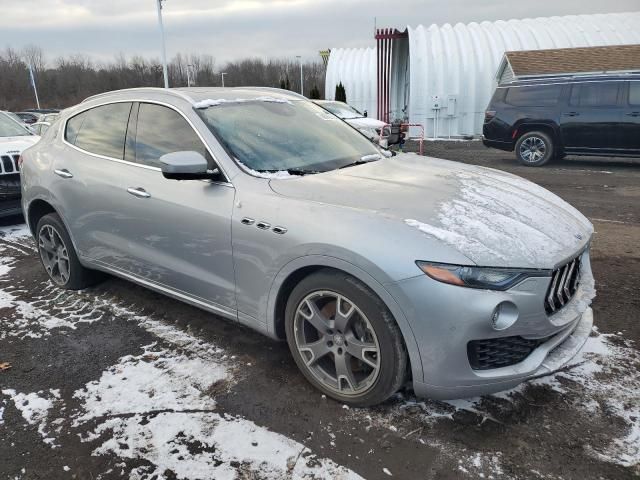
<point x="259" y="206"/>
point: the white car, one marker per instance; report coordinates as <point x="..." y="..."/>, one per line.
<point x="370" y="127"/>
<point x="14" y="138"/>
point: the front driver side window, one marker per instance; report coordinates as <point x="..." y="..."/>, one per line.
<point x="162" y="130"/>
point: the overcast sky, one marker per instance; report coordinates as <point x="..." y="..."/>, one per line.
<point x="231" y="29"/>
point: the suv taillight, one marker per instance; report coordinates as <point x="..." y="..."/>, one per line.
<point x="489" y="115"/>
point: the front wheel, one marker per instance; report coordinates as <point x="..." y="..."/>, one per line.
<point x="344" y="339"/>
<point x="534" y="149"/>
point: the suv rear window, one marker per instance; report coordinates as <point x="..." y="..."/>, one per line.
<point x="534" y="96"/>
<point x="100" y="130"/>
<point x="595" y="94"/>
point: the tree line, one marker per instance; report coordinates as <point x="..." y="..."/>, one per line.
<point x="68" y="80"/>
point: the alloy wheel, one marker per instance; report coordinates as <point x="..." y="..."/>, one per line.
<point x="337" y="343"/>
<point x="54" y="254"/>
<point x="533" y="149"/>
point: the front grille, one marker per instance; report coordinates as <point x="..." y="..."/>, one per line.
<point x="500" y="352"/>
<point x="564" y="283"/>
<point x="9" y="164"/>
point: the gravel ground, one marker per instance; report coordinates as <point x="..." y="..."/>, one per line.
<point x="119" y="382"/>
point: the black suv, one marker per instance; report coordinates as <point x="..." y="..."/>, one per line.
<point x="549" y="118"/>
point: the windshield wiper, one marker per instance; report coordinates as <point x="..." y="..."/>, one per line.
<point x="291" y="171"/>
<point x="365" y="159"/>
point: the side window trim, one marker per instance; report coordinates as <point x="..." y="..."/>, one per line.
<point x="130" y="138"/>
<point x="225" y="180"/>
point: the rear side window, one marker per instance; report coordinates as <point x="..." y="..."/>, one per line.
<point x="535" y="96"/>
<point x="100" y="130"/>
<point x="595" y="94"/>
<point x="634" y="93"/>
<point x="162" y="130"/>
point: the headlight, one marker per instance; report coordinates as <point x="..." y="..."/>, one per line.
<point x="478" y="277"/>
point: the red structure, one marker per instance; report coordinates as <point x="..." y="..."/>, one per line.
<point x="385" y="38"/>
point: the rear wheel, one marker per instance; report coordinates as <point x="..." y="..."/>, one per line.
<point x="534" y="149"/>
<point x="344" y="339"/>
<point x="58" y="256"/>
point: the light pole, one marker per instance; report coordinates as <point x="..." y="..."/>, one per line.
<point x="301" y="77"/>
<point x="164" y="50"/>
<point x="189" y="75"/>
<point x="222" y="74"/>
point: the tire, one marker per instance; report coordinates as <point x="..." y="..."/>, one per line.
<point x="364" y="341"/>
<point x="56" y="249"/>
<point x="534" y="149"/>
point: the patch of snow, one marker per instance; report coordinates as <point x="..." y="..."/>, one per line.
<point x="279" y="175"/>
<point x="156" y="407"/>
<point x="220" y="101"/>
<point x="34" y="408"/>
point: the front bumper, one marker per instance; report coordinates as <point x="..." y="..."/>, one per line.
<point x="445" y="318"/>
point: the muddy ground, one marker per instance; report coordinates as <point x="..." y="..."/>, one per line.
<point x="119" y="382"/>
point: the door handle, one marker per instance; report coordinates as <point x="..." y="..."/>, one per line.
<point x="139" y="192"/>
<point x="572" y="114"/>
<point x="64" y="173"/>
<point x="633" y="114"/>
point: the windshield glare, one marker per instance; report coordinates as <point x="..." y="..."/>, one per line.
<point x="11" y="128"/>
<point x="292" y="135"/>
<point x="343" y="110"/>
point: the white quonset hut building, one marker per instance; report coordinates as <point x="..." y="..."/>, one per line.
<point x="442" y="77"/>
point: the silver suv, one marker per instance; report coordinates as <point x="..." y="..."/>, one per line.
<point x="259" y="206"/>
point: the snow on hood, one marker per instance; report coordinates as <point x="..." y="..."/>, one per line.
<point x="492" y="217"/>
<point x="365" y="122"/>
<point x="213" y="103"/>
<point x="17" y="144"/>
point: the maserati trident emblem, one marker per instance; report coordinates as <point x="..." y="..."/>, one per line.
<point x="578" y="236"/>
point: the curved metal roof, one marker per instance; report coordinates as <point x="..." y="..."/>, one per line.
<point x="461" y="60"/>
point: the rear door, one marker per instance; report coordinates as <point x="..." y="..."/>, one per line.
<point x="590" y="121"/>
<point x="630" y="127"/>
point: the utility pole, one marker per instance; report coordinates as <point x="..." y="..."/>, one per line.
<point x="164" y="49"/>
<point x="222" y="74"/>
<point x="301" y="76"/>
<point x="189" y="75"/>
<point x="33" y="84"/>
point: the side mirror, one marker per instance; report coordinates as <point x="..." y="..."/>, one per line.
<point x="366" y="114"/>
<point x="185" y="165"/>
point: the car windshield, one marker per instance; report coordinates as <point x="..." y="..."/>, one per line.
<point x="11" y="128"/>
<point x="342" y="110"/>
<point x="295" y="136"/>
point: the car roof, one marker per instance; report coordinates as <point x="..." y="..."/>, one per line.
<point x="548" y="79"/>
<point x="198" y="94"/>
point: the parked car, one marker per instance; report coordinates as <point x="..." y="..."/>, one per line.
<point x="29" y="117"/>
<point x="370" y="127"/>
<point x="550" y="118"/>
<point x="39" y="128"/>
<point x="14" y="137"/>
<point x="258" y="206"/>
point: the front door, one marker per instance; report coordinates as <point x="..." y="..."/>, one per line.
<point x="590" y="121"/>
<point x="178" y="232"/>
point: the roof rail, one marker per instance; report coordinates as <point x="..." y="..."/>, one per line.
<point x="155" y="89"/>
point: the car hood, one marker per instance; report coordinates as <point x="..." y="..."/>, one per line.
<point x="492" y="217"/>
<point x="365" y="122"/>
<point x="17" y="144"/>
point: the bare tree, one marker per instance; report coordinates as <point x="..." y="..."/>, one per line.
<point x="67" y="80"/>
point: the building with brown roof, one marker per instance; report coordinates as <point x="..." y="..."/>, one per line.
<point x="518" y="65"/>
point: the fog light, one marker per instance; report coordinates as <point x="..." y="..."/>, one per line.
<point x="505" y="315"/>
